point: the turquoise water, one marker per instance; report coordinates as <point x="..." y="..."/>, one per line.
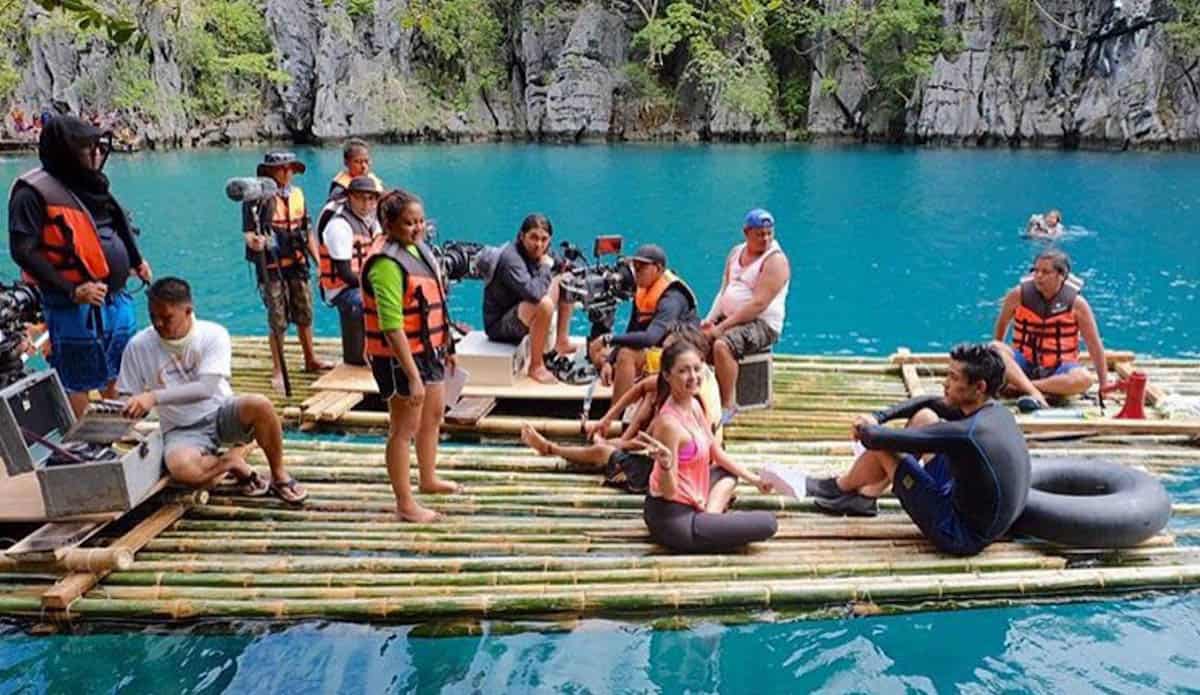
<point x="889" y="247"/>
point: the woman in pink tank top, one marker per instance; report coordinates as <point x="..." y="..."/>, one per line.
<point x="693" y="480"/>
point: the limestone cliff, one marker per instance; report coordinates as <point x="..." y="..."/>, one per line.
<point x="1083" y="76"/>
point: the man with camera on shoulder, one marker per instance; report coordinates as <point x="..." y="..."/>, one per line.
<point x="661" y="300"/>
<point x="521" y="297"/>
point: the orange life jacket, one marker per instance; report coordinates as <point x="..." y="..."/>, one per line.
<point x="426" y="325"/>
<point x="287" y="219"/>
<point x="69" y="240"/>
<point x="329" y="278"/>
<point x="339" y="184"/>
<point x="645" y="300"/>
<point x="1044" y="331"/>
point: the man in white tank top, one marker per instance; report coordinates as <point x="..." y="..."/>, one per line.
<point x="747" y="315"/>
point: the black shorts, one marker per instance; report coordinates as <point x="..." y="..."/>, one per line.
<point x="508" y="328"/>
<point x="392" y="381"/>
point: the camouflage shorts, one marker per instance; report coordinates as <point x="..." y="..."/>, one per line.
<point x="294" y="306"/>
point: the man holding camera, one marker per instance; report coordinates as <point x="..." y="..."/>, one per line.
<point x="279" y="245"/>
<point x="522" y="295"/>
<point x="74" y="241"/>
<point x="747" y="314"/>
<point x="661" y="300"/>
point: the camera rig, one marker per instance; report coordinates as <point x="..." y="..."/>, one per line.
<point x="20" y="306"/>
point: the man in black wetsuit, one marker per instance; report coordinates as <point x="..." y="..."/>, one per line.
<point x="975" y="477"/>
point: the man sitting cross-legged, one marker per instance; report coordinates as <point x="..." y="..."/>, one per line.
<point x="182" y="366"/>
<point x="975" y="477"/>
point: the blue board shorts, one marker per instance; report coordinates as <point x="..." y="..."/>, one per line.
<point x="86" y="342"/>
<point x="1034" y="372"/>
<point x="927" y="493"/>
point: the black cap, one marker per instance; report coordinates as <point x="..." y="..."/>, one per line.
<point x="273" y="160"/>
<point x="651" y="253"/>
<point x="364" y="184"/>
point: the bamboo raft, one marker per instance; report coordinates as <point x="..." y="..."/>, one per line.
<point x="535" y="538"/>
<point x="815" y="398"/>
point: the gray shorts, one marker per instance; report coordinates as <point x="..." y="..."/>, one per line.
<point x="750" y="338"/>
<point x="508" y="328"/>
<point x="221" y="428"/>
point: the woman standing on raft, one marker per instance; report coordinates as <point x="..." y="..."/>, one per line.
<point x="693" y="480"/>
<point x="408" y="345"/>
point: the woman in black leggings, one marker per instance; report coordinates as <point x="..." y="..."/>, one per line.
<point x="693" y="479"/>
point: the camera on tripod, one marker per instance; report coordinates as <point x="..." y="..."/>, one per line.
<point x="20" y="306"/>
<point x="599" y="288"/>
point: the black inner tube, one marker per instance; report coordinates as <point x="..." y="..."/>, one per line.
<point x="1092" y="503"/>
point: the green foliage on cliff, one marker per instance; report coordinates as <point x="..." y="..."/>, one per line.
<point x="725" y="45"/>
<point x="226" y="54"/>
<point x="895" y="41"/>
<point x="463" y="42"/>
<point x="754" y="55"/>
<point x="12" y="39"/>
<point x="1184" y="30"/>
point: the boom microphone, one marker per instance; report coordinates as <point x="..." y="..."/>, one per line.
<point x="250" y="188"/>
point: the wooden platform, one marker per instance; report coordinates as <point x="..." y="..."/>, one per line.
<point x="531" y="537"/>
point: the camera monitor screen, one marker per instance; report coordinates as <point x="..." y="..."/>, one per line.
<point x="607" y="245"/>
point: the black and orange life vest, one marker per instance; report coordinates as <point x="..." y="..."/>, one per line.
<point x="1045" y="331"/>
<point x="287" y="219"/>
<point x="339" y="184"/>
<point x="426" y="325"/>
<point x="329" y="278"/>
<point x="69" y="241"/>
<point x="645" y="300"/>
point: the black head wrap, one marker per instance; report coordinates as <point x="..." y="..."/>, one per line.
<point x="59" y="147"/>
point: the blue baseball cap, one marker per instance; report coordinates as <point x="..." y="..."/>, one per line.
<point x="758" y="218"/>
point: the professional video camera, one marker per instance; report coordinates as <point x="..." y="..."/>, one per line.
<point x="20" y="306"/>
<point x="599" y="288"/>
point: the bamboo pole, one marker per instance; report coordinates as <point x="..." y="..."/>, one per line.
<point x="740" y="595"/>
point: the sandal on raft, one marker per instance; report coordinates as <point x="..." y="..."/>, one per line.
<point x="253" y="485"/>
<point x="289" y="491"/>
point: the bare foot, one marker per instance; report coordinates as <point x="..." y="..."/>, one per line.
<point x="441" y="487"/>
<point x="416" y="514"/>
<point x="277" y="382"/>
<point x="542" y="375"/>
<point x="536" y="441"/>
<point x="317" y="365"/>
<point x="565" y="348"/>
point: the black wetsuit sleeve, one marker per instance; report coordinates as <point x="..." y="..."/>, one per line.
<point x="939" y="437"/>
<point x="910" y="407"/>
<point x="671" y="308"/>
<point x="342" y="268"/>
<point x="515" y="276"/>
<point x="26" y="216"/>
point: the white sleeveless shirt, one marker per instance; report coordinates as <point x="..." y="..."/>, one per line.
<point x="741" y="281"/>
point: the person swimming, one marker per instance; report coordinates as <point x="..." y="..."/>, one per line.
<point x="1045" y="226"/>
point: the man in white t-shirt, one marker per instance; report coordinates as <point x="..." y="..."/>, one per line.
<point x="747" y="314"/>
<point x="344" y="237"/>
<point x="182" y="366"/>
